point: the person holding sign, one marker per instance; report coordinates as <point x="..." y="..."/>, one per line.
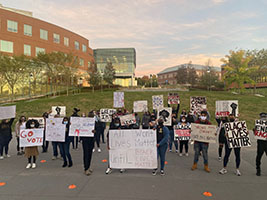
<point x="21" y="124"/>
<point x="174" y="121"/>
<point x="162" y="144"/>
<point x="5" y="136"/>
<point x="201" y="146"/>
<point x="222" y="138"/>
<point x="183" y="140"/>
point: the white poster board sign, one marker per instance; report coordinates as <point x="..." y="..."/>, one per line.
<point x="40" y="120"/>
<point x="260" y="131"/>
<point x="198" y="104"/>
<point x="82" y="126"/>
<point x="118" y="101"/>
<point x="166" y="114"/>
<point x="225" y="108"/>
<point x="127" y="119"/>
<point x="173" y="98"/>
<point x="7" y="112"/>
<point x="203" y="133"/>
<point x="140" y="106"/>
<point x="157" y="102"/>
<point x="31" y="137"/>
<point x="106" y="114"/>
<point x="55" y="130"/>
<point x="133" y="149"/>
<point x="59" y="110"/>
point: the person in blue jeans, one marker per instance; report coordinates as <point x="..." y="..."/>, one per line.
<point x="162" y="144"/>
<point x="173" y="122"/>
<point x="65" y="146"/>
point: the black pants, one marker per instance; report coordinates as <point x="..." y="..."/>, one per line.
<point x="30" y="159"/>
<point x="88" y="145"/>
<point x="19" y="148"/>
<point x="183" y="143"/>
<point x="102" y="135"/>
<point x="4" y="145"/>
<point x="261" y="148"/>
<point x="228" y="153"/>
<point x="97" y="138"/>
<point x="75" y="142"/>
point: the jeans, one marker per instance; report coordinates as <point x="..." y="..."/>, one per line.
<point x="161" y="150"/>
<point x="201" y="146"/>
<point x="55" y="149"/>
<point x="261" y="148"/>
<point x="88" y="145"/>
<point x="184" y="143"/>
<point x="74" y="142"/>
<point x="171" y="140"/>
<point x="65" y="149"/>
<point x="228" y="153"/>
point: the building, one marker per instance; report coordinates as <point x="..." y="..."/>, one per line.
<point x="168" y="75"/>
<point x="123" y="61"/>
<point x="21" y="33"/>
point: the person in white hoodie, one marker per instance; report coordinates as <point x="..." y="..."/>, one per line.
<point x="21" y="124"/>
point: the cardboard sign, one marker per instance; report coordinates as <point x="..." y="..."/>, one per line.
<point x="59" y="110"/>
<point x="182" y="132"/>
<point x="82" y="126"/>
<point x="140" y="106"/>
<point x="173" y="98"/>
<point x="31" y="137"/>
<point x="166" y="114"/>
<point x="106" y="114"/>
<point x="127" y="119"/>
<point x="55" y="130"/>
<point x="203" y="133"/>
<point x="118" y="99"/>
<point x="7" y="112"/>
<point x="260" y="129"/>
<point x="197" y="104"/>
<point x="225" y="108"/>
<point x="40" y="120"/>
<point x="133" y="149"/>
<point x="157" y="102"/>
<point x="237" y="134"/>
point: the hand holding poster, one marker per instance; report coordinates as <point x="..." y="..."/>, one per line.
<point x="260" y="131"/>
<point x="237" y="134"/>
<point x="82" y="126"/>
<point x="7" y="112"/>
<point x="106" y="114"/>
<point x="157" y="102"/>
<point x="127" y="119"/>
<point x="166" y="114"/>
<point x="133" y="149"/>
<point x="182" y="132"/>
<point x="118" y="99"/>
<point x="140" y="106"/>
<point x="225" y="108"/>
<point x="197" y="104"/>
<point x="59" y="110"/>
<point x="203" y="133"/>
<point x="55" y="130"/>
<point x="173" y="98"/>
<point x="40" y="120"/>
<point x="31" y="137"/>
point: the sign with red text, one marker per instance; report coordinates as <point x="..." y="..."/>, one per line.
<point x="225" y="108"/>
<point x="82" y="126"/>
<point x="31" y="137"/>
<point x="173" y="98"/>
<point x="260" y="130"/>
<point x="127" y="120"/>
<point x="182" y="134"/>
<point x="203" y="133"/>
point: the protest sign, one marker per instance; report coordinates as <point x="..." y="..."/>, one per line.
<point x="82" y="126"/>
<point x="166" y="114"/>
<point x="106" y="114"/>
<point x="118" y="99"/>
<point x="31" y="137"/>
<point x="173" y="98"/>
<point x="140" y="106"/>
<point x="133" y="149"/>
<point x="7" y="112"/>
<point x="40" y="120"/>
<point x="237" y="134"/>
<point x="59" y="110"/>
<point x="157" y="101"/>
<point x="225" y="108"/>
<point x="197" y="104"/>
<point x="260" y="131"/>
<point x="127" y="119"/>
<point x="203" y="133"/>
<point x="182" y="132"/>
<point x="55" y="130"/>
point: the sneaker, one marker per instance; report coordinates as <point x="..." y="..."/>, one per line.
<point x="87" y="172"/>
<point x="170" y="150"/>
<point x="162" y="172"/>
<point x="93" y="150"/>
<point x="19" y="153"/>
<point x="258" y="172"/>
<point x="108" y="171"/>
<point x="176" y="151"/>
<point x="180" y="154"/>
<point x="8" y="156"/>
<point x="220" y="159"/>
<point x="28" y="166"/>
<point x="223" y="171"/>
<point x="238" y="173"/>
<point x="1" y="157"/>
<point x="54" y="157"/>
<point x="90" y="170"/>
<point x="99" y="150"/>
<point x="154" y="172"/>
<point x="187" y="154"/>
<point x="122" y="170"/>
<point x="33" y="165"/>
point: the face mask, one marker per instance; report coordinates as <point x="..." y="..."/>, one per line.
<point x="232" y="119"/>
<point x="203" y="118"/>
<point x="32" y="125"/>
<point x="65" y="122"/>
<point x="183" y="120"/>
<point x="160" y="123"/>
<point x="116" y="125"/>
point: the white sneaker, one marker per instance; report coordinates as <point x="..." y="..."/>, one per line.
<point x="28" y="166"/>
<point x="99" y="150"/>
<point x="33" y="165"/>
<point x="8" y="156"/>
<point x="187" y="154"/>
<point x="170" y="150"/>
<point x="108" y="171"/>
<point x="176" y="151"/>
<point x="122" y="170"/>
<point x="238" y="173"/>
<point x="223" y="171"/>
<point x="220" y="159"/>
<point x="180" y="154"/>
<point x="54" y="157"/>
<point x="93" y="150"/>
<point x="1" y="157"/>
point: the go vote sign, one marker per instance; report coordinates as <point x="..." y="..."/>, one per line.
<point x="237" y="134"/>
<point x="133" y="149"/>
<point x="260" y="130"/>
<point x="31" y="137"/>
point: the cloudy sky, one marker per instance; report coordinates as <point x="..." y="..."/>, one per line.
<point x="165" y="33"/>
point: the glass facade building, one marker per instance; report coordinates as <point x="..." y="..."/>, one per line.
<point x="123" y="61"/>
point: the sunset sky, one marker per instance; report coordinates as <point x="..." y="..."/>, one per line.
<point x="164" y="33"/>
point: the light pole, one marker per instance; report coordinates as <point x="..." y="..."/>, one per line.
<point x="30" y="76"/>
<point x="209" y="70"/>
<point x="151" y="79"/>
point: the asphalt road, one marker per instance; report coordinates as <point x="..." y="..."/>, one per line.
<point x="50" y="181"/>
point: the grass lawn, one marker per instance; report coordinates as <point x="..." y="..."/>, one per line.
<point x="249" y="105"/>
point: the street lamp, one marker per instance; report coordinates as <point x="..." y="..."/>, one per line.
<point x="30" y="76"/>
<point x="151" y="79"/>
<point x="208" y="71"/>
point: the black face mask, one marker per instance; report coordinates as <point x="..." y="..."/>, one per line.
<point x="232" y="119"/>
<point x="161" y="124"/>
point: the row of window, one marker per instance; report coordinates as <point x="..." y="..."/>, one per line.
<point x="7" y="46"/>
<point x="12" y="26"/>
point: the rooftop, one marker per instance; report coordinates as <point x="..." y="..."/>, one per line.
<point x="23" y="12"/>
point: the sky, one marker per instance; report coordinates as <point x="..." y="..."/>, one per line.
<point x="164" y="33"/>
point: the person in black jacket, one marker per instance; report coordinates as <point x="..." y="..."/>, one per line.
<point x="5" y="136"/>
<point x="171" y="131"/>
<point x="45" y="143"/>
<point x="75" y="139"/>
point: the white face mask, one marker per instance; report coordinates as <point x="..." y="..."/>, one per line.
<point x="183" y="120"/>
<point x="203" y="118"/>
<point x="32" y="125"/>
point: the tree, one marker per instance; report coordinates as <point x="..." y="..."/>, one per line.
<point x="2" y="80"/>
<point x="182" y="76"/>
<point x="94" y="76"/>
<point x="237" y="70"/>
<point x="192" y="75"/>
<point x="109" y="74"/>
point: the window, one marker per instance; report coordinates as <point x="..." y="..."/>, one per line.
<point x="66" y="41"/>
<point x="84" y="48"/>
<point x="27" y="50"/>
<point x="89" y="64"/>
<point x="39" y="50"/>
<point x="43" y="34"/>
<point x="77" y="45"/>
<point x="6" y="46"/>
<point x="12" y="26"/>
<point x="56" y="38"/>
<point x="81" y="62"/>
<point x="27" y="30"/>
